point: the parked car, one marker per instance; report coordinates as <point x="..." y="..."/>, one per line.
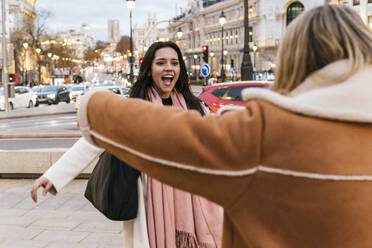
<point x="24" y="97"/>
<point x="36" y="90"/>
<point x="125" y="91"/>
<point x="222" y="94"/>
<point x="54" y="94"/>
<point x="77" y="90"/>
<point x="115" y="89"/>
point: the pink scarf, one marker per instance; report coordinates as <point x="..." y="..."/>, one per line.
<point x="176" y="218"/>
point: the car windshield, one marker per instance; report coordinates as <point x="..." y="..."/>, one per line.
<point x="36" y="89"/>
<point x="48" y="88"/>
<point x="77" y="88"/>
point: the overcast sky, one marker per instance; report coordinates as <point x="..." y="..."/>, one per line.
<point x="70" y="14"/>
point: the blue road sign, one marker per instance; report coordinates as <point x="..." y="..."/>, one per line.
<point x="205" y="70"/>
<point x="232" y="71"/>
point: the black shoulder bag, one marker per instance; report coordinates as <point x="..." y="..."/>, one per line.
<point x="112" y="188"/>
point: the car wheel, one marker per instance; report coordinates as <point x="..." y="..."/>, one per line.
<point x="49" y="102"/>
<point x="68" y="100"/>
<point x="30" y="104"/>
<point x="11" y="107"/>
<point x="36" y="104"/>
<point x="56" y="101"/>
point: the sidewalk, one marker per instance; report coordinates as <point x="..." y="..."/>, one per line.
<point x="38" y="111"/>
<point x="65" y="220"/>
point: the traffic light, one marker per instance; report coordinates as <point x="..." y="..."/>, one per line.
<point x="205" y="53"/>
<point x="11" y="78"/>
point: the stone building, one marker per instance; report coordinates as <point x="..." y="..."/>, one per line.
<point x="268" y="20"/>
<point x="113" y="27"/>
<point x="145" y="35"/>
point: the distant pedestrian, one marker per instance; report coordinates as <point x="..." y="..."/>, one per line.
<point x="291" y="169"/>
<point x="175" y="218"/>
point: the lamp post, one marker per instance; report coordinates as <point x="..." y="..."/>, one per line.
<point x="222" y="20"/>
<point x="38" y="51"/>
<point x="254" y="49"/>
<point x="130" y="6"/>
<point x="195" y="57"/>
<point x="4" y="73"/>
<point x="246" y="68"/>
<point x="25" y="45"/>
<point x="50" y="65"/>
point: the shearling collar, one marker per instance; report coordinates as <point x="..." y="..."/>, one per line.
<point x="350" y="100"/>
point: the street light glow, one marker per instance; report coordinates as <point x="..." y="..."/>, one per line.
<point x="254" y="48"/>
<point x="25" y="45"/>
<point x="222" y="18"/>
<point x="179" y="33"/>
<point x="131" y="4"/>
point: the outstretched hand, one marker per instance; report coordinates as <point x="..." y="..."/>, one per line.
<point x="40" y="182"/>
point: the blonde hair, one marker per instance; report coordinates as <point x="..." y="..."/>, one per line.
<point x="317" y="38"/>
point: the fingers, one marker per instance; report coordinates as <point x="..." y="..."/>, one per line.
<point x="48" y="186"/>
<point x="33" y="191"/>
<point x="42" y="181"/>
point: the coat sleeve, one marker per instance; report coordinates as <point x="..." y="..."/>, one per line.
<point x="213" y="156"/>
<point x="72" y="163"/>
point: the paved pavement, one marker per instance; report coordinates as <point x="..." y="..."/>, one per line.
<point x="65" y="220"/>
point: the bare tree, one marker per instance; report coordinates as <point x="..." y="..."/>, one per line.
<point x="32" y="32"/>
<point x="94" y="54"/>
<point x="123" y="45"/>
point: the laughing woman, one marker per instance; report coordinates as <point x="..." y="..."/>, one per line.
<point x="175" y="218"/>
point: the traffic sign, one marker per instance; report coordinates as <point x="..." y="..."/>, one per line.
<point x="233" y="71"/>
<point x="205" y="70"/>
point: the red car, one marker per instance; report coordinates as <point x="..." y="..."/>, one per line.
<point x="223" y="94"/>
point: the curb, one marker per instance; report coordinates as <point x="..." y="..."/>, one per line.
<point x="28" y="163"/>
<point x="41" y="135"/>
<point x="34" y="115"/>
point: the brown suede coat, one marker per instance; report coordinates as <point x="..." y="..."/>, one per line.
<point x="288" y="172"/>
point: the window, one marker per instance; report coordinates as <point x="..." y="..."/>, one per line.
<point x="294" y="10"/>
<point x="234" y="94"/>
<point x="219" y="92"/>
<point x="370" y="21"/>
<point x="356" y="2"/>
<point x="369" y="1"/>
<point x="250" y="34"/>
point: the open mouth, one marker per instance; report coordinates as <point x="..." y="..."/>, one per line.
<point x="167" y="80"/>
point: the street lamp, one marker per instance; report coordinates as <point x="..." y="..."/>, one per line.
<point x="130" y="6"/>
<point x="179" y="33"/>
<point x="222" y="20"/>
<point x="25" y="45"/>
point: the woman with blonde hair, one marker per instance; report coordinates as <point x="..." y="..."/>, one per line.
<point x="291" y="169"/>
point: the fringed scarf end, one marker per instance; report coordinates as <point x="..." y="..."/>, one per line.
<point x="188" y="240"/>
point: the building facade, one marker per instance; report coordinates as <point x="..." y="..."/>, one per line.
<point x="145" y="35"/>
<point x="268" y="20"/>
<point x="20" y="20"/>
<point x="80" y="40"/>
<point x="113" y="27"/>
